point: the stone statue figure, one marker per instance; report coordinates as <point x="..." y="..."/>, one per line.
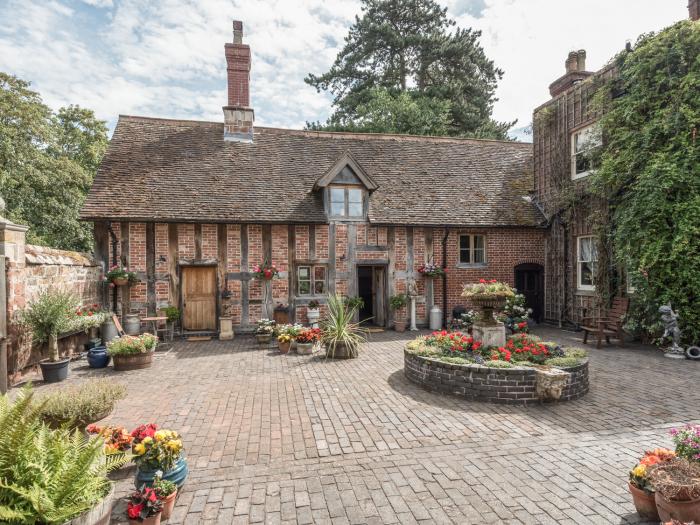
<point x="412" y="288"/>
<point x="670" y="320"/>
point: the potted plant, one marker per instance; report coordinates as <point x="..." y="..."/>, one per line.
<point x="158" y="450"/>
<point x="49" y="315"/>
<point x="687" y="441"/>
<point x="431" y="270"/>
<point x="313" y="312"/>
<point x="39" y="483"/>
<point x="488" y="295"/>
<point x="397" y="302"/>
<point x="265" y="271"/>
<point x="640" y="485"/>
<point x="172" y="316"/>
<point x="354" y="303"/>
<point x="119" y="276"/>
<point x="117" y="440"/>
<point x="677" y="489"/>
<point x="87" y="319"/>
<point x="132" y="352"/>
<point x="306" y="340"/>
<point x="78" y="406"/>
<point x="264" y="331"/>
<point x="166" y="491"/>
<point x="144" y="506"/>
<point x="339" y="333"/>
<point x="284" y="343"/>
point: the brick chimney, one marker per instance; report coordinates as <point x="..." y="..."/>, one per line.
<point x="238" y="115"/>
<point x="694" y="9"/>
<point x="575" y="72"/>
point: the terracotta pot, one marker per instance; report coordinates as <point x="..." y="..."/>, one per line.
<point x="132" y="362"/>
<point x="151" y="520"/>
<point x="168" y="505"/>
<point x="284" y="347"/>
<point x="400" y="325"/>
<point x="683" y="511"/>
<point x="121" y="281"/>
<point x="644" y="503"/>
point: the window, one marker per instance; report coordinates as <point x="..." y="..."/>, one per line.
<point x="587" y="261"/>
<point x="311" y="280"/>
<point x="585" y="151"/>
<point x="472" y="249"/>
<point x="346" y="201"/>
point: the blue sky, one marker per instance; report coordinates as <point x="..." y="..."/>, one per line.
<point x="165" y="58"/>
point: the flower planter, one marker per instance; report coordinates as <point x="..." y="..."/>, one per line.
<point x="168" y="505"/>
<point x="99" y="514"/>
<point x="340" y="352"/>
<point x="177" y="474"/>
<point x="284" y="347"/>
<point x="263" y="339"/>
<point x="120" y="281"/>
<point x="683" y="511"/>
<point x="645" y="504"/>
<point x="124" y="363"/>
<point x="97" y="357"/>
<point x="305" y="348"/>
<point x="488" y="304"/>
<point x="400" y="325"/>
<point x="151" y="520"/>
<point x="54" y="371"/>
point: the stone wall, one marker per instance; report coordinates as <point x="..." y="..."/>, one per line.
<point x="514" y="386"/>
<point x="35" y="269"/>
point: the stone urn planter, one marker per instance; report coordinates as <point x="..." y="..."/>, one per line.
<point x="488" y="303"/>
<point x="124" y="363"/>
<point x="99" y="514"/>
<point x="263" y="339"/>
<point x="645" y="504"/>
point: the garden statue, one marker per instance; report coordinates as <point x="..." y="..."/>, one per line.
<point x="670" y="320"/>
<point x="412" y="294"/>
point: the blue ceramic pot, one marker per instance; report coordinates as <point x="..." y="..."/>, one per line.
<point x="177" y="474"/>
<point x="98" y="357"/>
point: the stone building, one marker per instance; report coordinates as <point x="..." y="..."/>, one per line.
<point x="192" y="206"/>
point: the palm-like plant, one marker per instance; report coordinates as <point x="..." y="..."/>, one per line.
<point x="47" y="476"/>
<point x="339" y="331"/>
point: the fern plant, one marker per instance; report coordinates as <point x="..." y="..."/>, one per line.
<point x="47" y="476"/>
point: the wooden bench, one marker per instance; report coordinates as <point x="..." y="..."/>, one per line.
<point x="609" y="325"/>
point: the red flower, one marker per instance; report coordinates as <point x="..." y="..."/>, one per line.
<point x="482" y="281"/>
<point x="134" y="510"/>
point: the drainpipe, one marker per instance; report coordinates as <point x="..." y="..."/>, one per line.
<point x="114" y="263"/>
<point x="444" y="277"/>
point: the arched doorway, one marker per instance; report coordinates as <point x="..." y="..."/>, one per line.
<point x="529" y="281"/>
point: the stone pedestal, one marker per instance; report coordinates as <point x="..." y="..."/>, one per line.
<point x="413" y="327"/>
<point x="491" y="334"/>
<point x="225" y="329"/>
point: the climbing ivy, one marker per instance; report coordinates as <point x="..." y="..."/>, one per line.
<point x="650" y="175"/>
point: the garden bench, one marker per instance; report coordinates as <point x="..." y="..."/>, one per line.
<point x="608" y="325"/>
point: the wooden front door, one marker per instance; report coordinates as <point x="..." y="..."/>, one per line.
<point x="371" y="287"/>
<point x="199" y="297"/>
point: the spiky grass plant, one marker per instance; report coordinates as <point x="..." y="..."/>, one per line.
<point x="47" y="476"/>
<point x="339" y="329"/>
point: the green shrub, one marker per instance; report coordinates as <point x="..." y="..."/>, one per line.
<point x="171" y="313"/>
<point x="456" y="360"/>
<point x="47" y="476"/>
<point x="564" y="362"/>
<point x="78" y="406"/>
<point x="579" y="353"/>
<point x="498" y="364"/>
<point x="398" y="301"/>
<point x="132" y="344"/>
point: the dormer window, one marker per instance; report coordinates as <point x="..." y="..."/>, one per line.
<point x="346" y="201"/>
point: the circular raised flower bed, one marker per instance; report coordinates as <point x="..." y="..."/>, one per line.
<point x="515" y="386"/>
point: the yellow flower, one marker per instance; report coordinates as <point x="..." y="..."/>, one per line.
<point x="148" y="440"/>
<point x="139" y="449"/>
<point x="640" y="471"/>
<point x="160" y="435"/>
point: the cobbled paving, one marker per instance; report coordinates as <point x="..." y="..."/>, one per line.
<point x="276" y="438"/>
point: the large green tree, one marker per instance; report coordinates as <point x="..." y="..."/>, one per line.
<point x="407" y="59"/>
<point x="47" y="164"/>
<point x="650" y="174"/>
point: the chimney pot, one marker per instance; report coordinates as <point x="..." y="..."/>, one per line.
<point x="694" y="9"/>
<point x="237" y="32"/>
<point x="575" y="72"/>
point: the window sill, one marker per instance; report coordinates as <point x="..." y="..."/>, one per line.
<point x="585" y="291"/>
<point x="467" y="266"/>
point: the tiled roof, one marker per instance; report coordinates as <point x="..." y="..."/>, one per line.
<point x="175" y="170"/>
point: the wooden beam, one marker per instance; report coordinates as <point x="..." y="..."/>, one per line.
<point x="429" y="256"/>
<point x="125" y="291"/>
<point x="222" y="258"/>
<point x="151" y="268"/>
<point x="101" y="236"/>
<point x="245" y="285"/>
<point x="197" y="241"/>
<point x="291" y="250"/>
<point x="312" y="242"/>
<point x="391" y="269"/>
<point x="350" y="260"/>
<point x="331" y="258"/>
<point x="174" y="277"/>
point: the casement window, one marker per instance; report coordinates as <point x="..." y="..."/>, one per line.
<point x="472" y="249"/>
<point x="311" y="280"/>
<point x="585" y="151"/>
<point x="587" y="260"/>
<point x="346" y="201"/>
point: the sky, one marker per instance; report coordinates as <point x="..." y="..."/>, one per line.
<point x="165" y="58"/>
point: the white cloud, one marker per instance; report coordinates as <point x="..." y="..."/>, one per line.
<point x="165" y="57"/>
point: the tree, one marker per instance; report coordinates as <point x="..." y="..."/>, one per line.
<point x="650" y="174"/>
<point x="409" y="54"/>
<point x="47" y="164"/>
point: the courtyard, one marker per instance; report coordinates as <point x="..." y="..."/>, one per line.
<point x="298" y="439"/>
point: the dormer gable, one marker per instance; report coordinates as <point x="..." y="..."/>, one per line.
<point x="346" y="170"/>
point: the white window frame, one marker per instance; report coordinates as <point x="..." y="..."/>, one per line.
<point x="579" y="262"/>
<point x="592" y="128"/>
<point x="471" y="262"/>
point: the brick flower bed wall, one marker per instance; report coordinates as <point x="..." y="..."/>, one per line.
<point x="514" y="386"/>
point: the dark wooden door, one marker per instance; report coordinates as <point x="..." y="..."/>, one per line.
<point x="371" y="287"/>
<point x="379" y="299"/>
<point x="529" y="281"/>
<point x="199" y="297"/>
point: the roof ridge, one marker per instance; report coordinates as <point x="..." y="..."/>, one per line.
<point x="340" y="134"/>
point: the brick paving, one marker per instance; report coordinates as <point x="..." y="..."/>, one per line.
<point x="299" y="439"/>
